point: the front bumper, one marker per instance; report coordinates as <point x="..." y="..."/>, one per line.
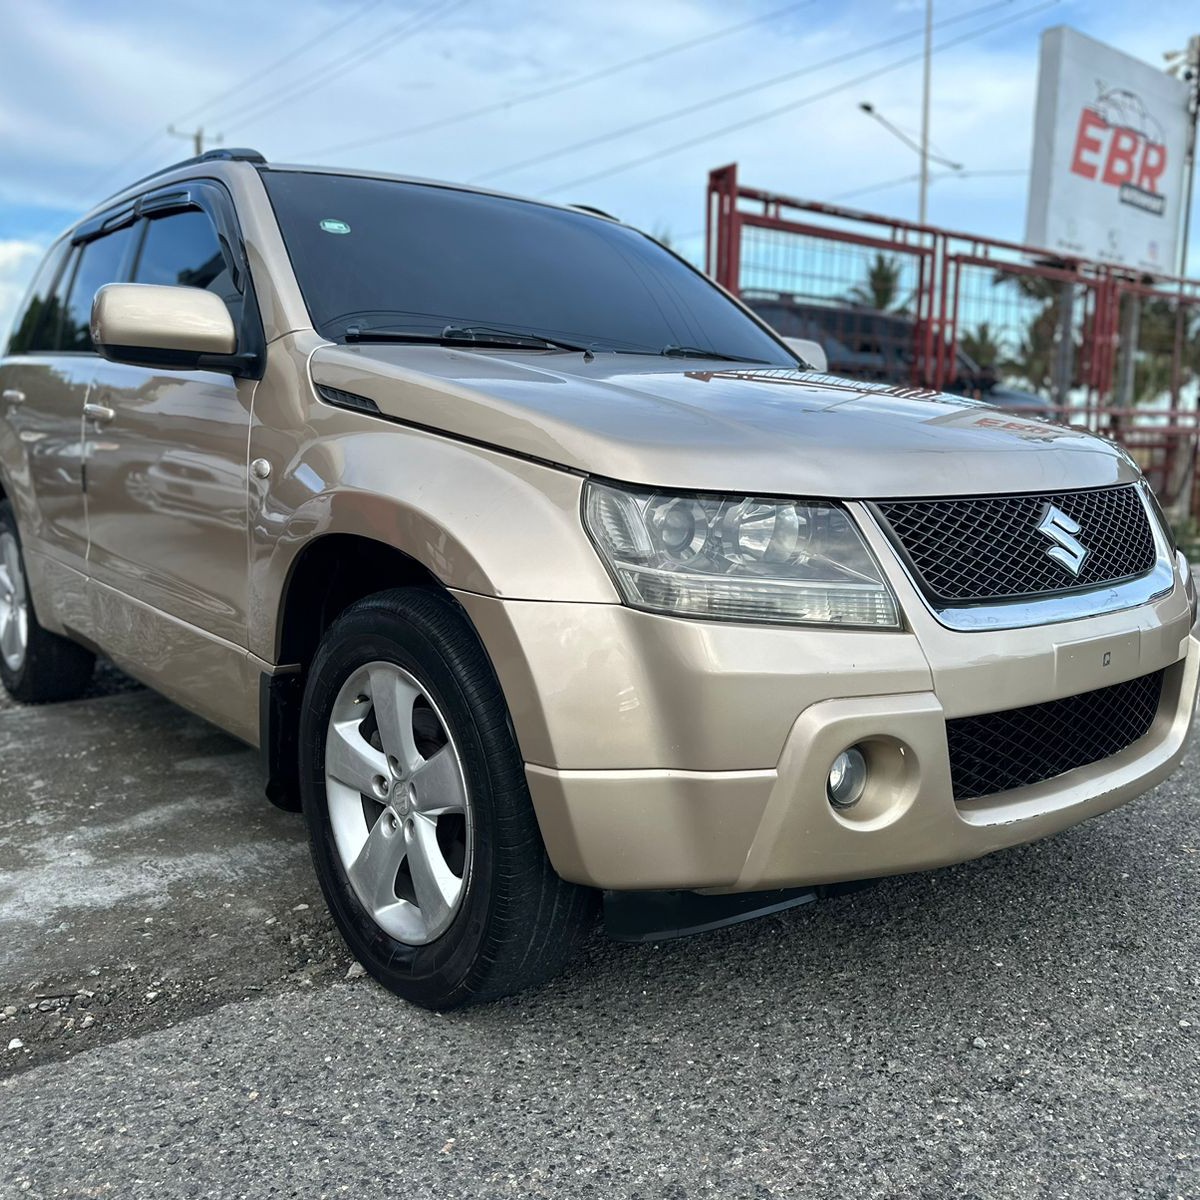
<point x="678" y="754"/>
<point x="746" y="830"/>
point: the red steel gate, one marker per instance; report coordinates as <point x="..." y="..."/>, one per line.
<point x="1086" y="343"/>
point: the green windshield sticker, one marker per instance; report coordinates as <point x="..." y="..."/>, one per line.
<point x="330" y="225"/>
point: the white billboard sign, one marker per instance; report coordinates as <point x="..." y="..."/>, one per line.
<point x="1109" y="140"/>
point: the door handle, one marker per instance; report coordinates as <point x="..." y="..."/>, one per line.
<point x="13" y="396"/>
<point x="98" y="412"/>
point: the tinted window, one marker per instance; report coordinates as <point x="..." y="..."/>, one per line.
<point x="101" y="261"/>
<point x="378" y="254"/>
<point x="40" y="317"/>
<point x="183" y="250"/>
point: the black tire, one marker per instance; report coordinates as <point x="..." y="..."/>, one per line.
<point x="518" y="922"/>
<point x="53" y="668"/>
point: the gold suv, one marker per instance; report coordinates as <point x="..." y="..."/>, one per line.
<point x="541" y="571"/>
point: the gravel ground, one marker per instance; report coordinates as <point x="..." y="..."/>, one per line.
<point x="1024" y="1026"/>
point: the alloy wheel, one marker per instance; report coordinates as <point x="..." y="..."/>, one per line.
<point x="398" y="803"/>
<point x="14" y="605"/>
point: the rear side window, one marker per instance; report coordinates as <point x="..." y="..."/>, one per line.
<point x="101" y="261"/>
<point x="183" y="250"/>
<point x="40" y="317"/>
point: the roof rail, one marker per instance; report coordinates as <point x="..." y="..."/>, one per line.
<point x="230" y="154"/>
<point x="220" y="154"/>
<point x="596" y="212"/>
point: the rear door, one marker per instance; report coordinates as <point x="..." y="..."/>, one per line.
<point x="44" y="385"/>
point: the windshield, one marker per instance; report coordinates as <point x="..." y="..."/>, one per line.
<point x="379" y="256"/>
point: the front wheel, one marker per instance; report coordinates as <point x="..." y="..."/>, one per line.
<point x="422" y="830"/>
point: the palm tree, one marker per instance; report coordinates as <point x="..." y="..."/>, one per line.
<point x="1039" y="301"/>
<point x="1034" y="360"/>
<point x="981" y="345"/>
<point x="881" y="289"/>
<point x="1158" y="326"/>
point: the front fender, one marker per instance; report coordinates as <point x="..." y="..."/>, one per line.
<point x="478" y="520"/>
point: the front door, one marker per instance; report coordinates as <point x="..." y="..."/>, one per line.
<point x="167" y="493"/>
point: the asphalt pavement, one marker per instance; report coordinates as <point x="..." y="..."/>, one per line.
<point x="179" y="1021"/>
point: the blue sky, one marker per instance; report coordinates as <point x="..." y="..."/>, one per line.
<point x="87" y="90"/>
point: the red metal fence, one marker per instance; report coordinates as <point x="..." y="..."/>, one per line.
<point x="1084" y="342"/>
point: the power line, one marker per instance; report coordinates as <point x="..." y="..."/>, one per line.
<point x="283" y="60"/>
<point x="884" y="184"/>
<point x="141" y="149"/>
<point x="910" y="142"/>
<point x="881" y="186"/>
<point x="914" y="134"/>
<point x="335" y="71"/>
<point x="196" y="137"/>
<point x="858" y="81"/>
<point x="556" y="88"/>
<point x="725" y="97"/>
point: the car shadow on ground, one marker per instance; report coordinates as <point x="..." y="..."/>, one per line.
<point x="1058" y="927"/>
<point x="145" y="879"/>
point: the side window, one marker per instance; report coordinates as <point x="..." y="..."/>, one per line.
<point x="183" y="249"/>
<point x="39" y="318"/>
<point x="101" y="261"/>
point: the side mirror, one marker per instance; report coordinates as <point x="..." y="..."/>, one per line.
<point x="177" y="328"/>
<point x="813" y="353"/>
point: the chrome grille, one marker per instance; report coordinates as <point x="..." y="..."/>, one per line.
<point x="999" y="751"/>
<point x="987" y="548"/>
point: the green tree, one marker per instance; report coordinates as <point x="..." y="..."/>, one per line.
<point x="982" y="345"/>
<point x="881" y="288"/>
<point x="1034" y="357"/>
<point x="1039" y="302"/>
<point x="1158" y="326"/>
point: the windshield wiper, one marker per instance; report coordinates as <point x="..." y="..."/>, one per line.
<point x="673" y="351"/>
<point x="355" y="334"/>
<point x="483" y="336"/>
<point x="511" y="337"/>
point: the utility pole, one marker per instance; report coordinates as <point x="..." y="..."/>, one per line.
<point x="924" y="201"/>
<point x="196" y="136"/>
<point x="1186" y="64"/>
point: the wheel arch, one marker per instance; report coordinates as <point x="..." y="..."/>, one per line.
<point x="328" y="575"/>
<point x="416" y="510"/>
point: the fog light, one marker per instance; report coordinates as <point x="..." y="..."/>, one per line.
<point x="847" y="778"/>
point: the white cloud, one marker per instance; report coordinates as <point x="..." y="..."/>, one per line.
<point x="88" y="91"/>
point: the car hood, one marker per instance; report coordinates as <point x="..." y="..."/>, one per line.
<point x="719" y="426"/>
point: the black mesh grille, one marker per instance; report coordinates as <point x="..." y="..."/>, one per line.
<point x="1000" y="751"/>
<point x="969" y="550"/>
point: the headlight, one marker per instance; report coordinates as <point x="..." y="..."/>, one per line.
<point x="738" y="558"/>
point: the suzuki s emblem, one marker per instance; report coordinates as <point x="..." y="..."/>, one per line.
<point x="1067" y="550"/>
